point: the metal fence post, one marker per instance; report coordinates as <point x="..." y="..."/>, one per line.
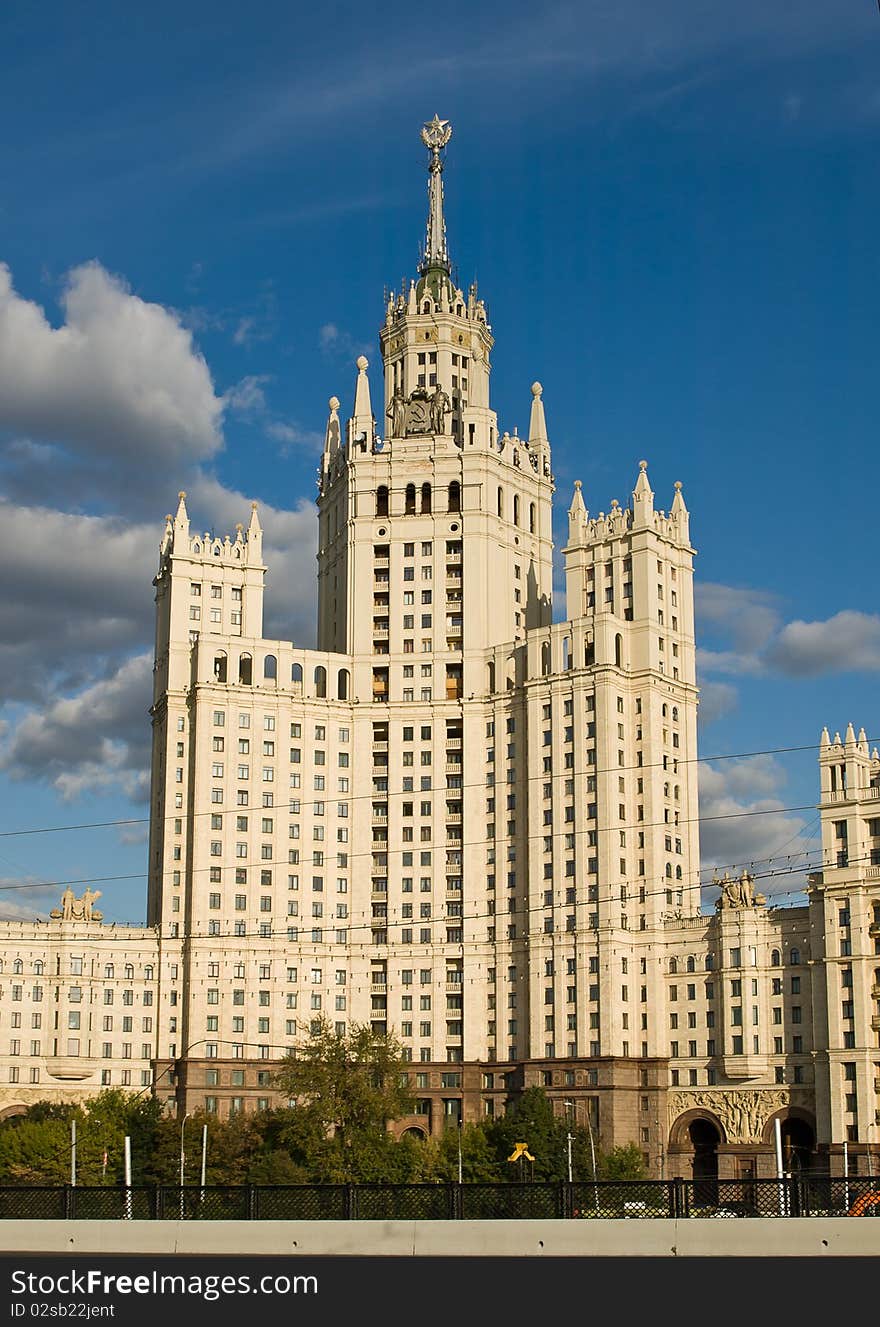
<point x="350" y="1202"/>
<point x="251" y="1203"/>
<point x="68" y="1203"/>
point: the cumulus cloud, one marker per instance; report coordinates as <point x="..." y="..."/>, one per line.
<point x="26" y="899"/>
<point x="716" y="700"/>
<point x="76" y="594"/>
<point x="742" y="824"/>
<point x="848" y="641"/>
<point x="247" y="396"/>
<point x="118" y="376"/>
<point x="95" y="740"/>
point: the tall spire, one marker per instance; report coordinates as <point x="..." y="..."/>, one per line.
<point x="435" y="135"/>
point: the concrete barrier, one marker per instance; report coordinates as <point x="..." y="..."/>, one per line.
<point x="643" y="1237"/>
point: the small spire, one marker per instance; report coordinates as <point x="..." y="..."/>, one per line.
<point x="537" y="422"/>
<point x="181" y="519"/>
<point x="825" y="739"/>
<point x="577" y="511"/>
<point x="678" y="508"/>
<point x="255" y="530"/>
<point x="863" y="741"/>
<point x="850" y="738"/>
<point x="331" y="435"/>
<point x="362" y="417"/>
<point x="643" y="498"/>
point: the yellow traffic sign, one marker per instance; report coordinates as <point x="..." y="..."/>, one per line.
<point x="521" y="1150"/>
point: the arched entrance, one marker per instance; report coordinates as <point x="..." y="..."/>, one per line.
<point x="798" y="1145"/>
<point x="705" y="1139"/>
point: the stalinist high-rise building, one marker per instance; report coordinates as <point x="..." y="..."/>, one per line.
<point x="471" y="820"/>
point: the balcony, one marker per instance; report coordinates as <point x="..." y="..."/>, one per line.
<point x="380" y="633"/>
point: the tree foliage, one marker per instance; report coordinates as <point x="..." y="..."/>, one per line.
<point x="347" y="1090"/>
<point x="352" y="1084"/>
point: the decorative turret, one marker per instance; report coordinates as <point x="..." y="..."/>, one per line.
<point x="679" y="513"/>
<point x="577" y="513"/>
<point x="537" y="422"/>
<point x="181" y="520"/>
<point x="643" y="499"/>
<point x="362" y="426"/>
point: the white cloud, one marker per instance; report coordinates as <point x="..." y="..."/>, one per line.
<point x="716" y="700"/>
<point x="26" y="899"/>
<point x="247" y="396"/>
<point x="119" y="377"/>
<point x="849" y="641"/>
<point x="743" y="824"/>
<point x="95" y="740"/>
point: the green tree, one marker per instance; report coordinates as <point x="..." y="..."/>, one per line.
<point x="530" y="1120"/>
<point x="621" y="1163"/>
<point x="479" y="1158"/>
<point x="353" y="1084"/>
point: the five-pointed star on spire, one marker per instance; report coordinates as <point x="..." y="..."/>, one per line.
<point x="436" y="133"/>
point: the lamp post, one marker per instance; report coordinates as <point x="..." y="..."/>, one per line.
<point x="182" y="1159"/>
<point x="569" y="1110"/>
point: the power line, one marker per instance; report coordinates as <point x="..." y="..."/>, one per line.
<point x="538" y="776"/>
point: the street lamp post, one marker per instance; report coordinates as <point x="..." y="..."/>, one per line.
<point x="182" y="1159"/>
<point x="569" y="1108"/>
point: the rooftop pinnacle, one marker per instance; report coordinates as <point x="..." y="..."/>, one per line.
<point x="435" y="135"/>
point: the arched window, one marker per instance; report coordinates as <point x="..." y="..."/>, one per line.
<point x="382" y="500"/>
<point x="220" y="666"/>
<point x="454" y="502"/>
<point x="245" y="670"/>
<point x="409" y="501"/>
<point x="669" y="870"/>
<point x="490" y="677"/>
<point x="296" y="673"/>
<point x="501" y="502"/>
<point x="18" y="966"/>
<point x="589" y="653"/>
<point x="775" y="959"/>
<point x="691" y="963"/>
<point x="426" y="306"/>
<point x="673" y="966"/>
<point x="108" y="970"/>
<point x="566" y="652"/>
<point x="458" y="311"/>
<point x="270" y="667"/>
<point x="795" y="957"/>
<point x="678" y="877"/>
<point x="618" y="651"/>
<point x="675" y="714"/>
<point x="516" y="509"/>
<point x="710" y="962"/>
<point x="342" y="684"/>
<point x="664" y="710"/>
<point x="531" y="518"/>
<point x="148" y="972"/>
<point x="320" y="681"/>
<point x="38" y="968"/>
<point x="545" y="658"/>
<point x="426" y="499"/>
<point x="129" y="972"/>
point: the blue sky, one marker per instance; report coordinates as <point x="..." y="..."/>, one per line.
<point x="670" y="211"/>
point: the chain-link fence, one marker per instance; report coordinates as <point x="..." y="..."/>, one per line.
<point x="793" y="1196"/>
